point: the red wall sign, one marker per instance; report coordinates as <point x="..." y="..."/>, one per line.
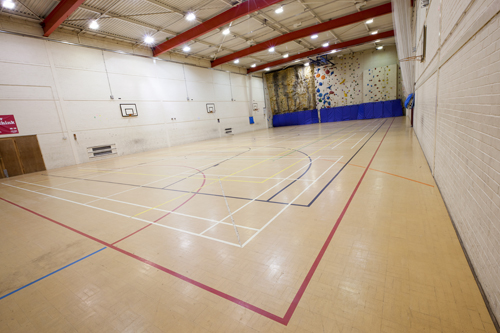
<point x="8" y="125"/>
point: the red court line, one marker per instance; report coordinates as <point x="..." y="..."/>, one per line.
<point x="313" y="268"/>
<point x="360" y="166"/>
<point x="173" y="210"/>
<point x="293" y="306"/>
<point x="162" y="268"/>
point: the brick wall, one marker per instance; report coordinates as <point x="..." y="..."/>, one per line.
<point x="460" y="136"/>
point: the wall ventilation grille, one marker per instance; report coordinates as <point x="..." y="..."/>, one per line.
<point x="100" y="151"/>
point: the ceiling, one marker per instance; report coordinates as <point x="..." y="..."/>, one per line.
<point x="132" y="20"/>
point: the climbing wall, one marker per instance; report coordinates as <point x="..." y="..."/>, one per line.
<point x="340" y="84"/>
<point x="291" y="90"/>
<point x="380" y="84"/>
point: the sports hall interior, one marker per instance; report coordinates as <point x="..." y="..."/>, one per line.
<point x="250" y="166"/>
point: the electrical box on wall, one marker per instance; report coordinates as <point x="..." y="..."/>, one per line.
<point x="129" y="110"/>
<point x="210" y="107"/>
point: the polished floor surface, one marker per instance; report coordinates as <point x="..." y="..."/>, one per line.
<point x="335" y="227"/>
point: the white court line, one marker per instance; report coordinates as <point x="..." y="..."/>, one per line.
<point x="134" y="188"/>
<point x="248" y="203"/>
<point x="135" y="218"/>
<point x="360" y="140"/>
<point x="344" y="140"/>
<point x="227" y="176"/>
<point x="129" y="203"/>
<point x="369" y="123"/>
<point x="291" y="202"/>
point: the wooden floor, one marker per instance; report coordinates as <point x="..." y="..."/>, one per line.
<point x="341" y="229"/>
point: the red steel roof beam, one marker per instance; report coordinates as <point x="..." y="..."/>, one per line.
<point x="59" y="14"/>
<point x="226" y="17"/>
<point x="319" y="50"/>
<point x="329" y="25"/>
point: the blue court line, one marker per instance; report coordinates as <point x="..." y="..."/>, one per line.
<point x="43" y="277"/>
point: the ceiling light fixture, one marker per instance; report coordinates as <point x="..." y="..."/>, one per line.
<point x="374" y="32"/>
<point x="190" y="16"/>
<point x="186" y="48"/>
<point x="297" y="60"/>
<point x="314" y="36"/>
<point x="149" y="40"/>
<point x="8" y="4"/>
<point x="237" y="61"/>
<point x="369" y="21"/>
<point x="325" y="44"/>
<point x="271" y="49"/>
<point x="285" y="56"/>
<point x="378" y="40"/>
<point x="253" y="65"/>
<point x="226" y="31"/>
<point x="306" y="64"/>
<point x="333" y="51"/>
<point x="379" y="47"/>
<point x="94" y="25"/>
<point x="266" y="69"/>
<point x="279" y="10"/>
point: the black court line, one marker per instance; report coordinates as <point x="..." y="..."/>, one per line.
<point x="331" y="180"/>
<point x="231" y="197"/>
<point x="212" y="166"/>
<point x="293" y="182"/>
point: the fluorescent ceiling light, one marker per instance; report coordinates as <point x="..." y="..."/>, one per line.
<point x="333" y="51"/>
<point x="374" y="32"/>
<point x="253" y="65"/>
<point x="369" y="21"/>
<point x="8" y="4"/>
<point x="306" y="64"/>
<point x="149" y="40"/>
<point x="380" y="47"/>
<point x="226" y="31"/>
<point x="94" y="25"/>
<point x="279" y="10"/>
<point x="271" y="49"/>
<point x="266" y="69"/>
<point x="297" y="60"/>
<point x="285" y="56"/>
<point x="190" y="16"/>
<point x="186" y="48"/>
<point x="325" y="44"/>
<point x="314" y="36"/>
<point x="378" y="40"/>
<point x="237" y="61"/>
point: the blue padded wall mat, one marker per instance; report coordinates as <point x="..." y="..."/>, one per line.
<point x="341" y="113"/>
<point x="296" y="118"/>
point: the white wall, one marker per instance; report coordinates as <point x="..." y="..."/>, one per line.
<point x="457" y="122"/>
<point x="56" y="90"/>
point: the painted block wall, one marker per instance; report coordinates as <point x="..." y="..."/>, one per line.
<point x="457" y="122"/>
<point x="57" y="90"/>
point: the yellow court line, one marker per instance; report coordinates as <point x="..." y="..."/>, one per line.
<point x="251" y="166"/>
<point x="265" y="180"/>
